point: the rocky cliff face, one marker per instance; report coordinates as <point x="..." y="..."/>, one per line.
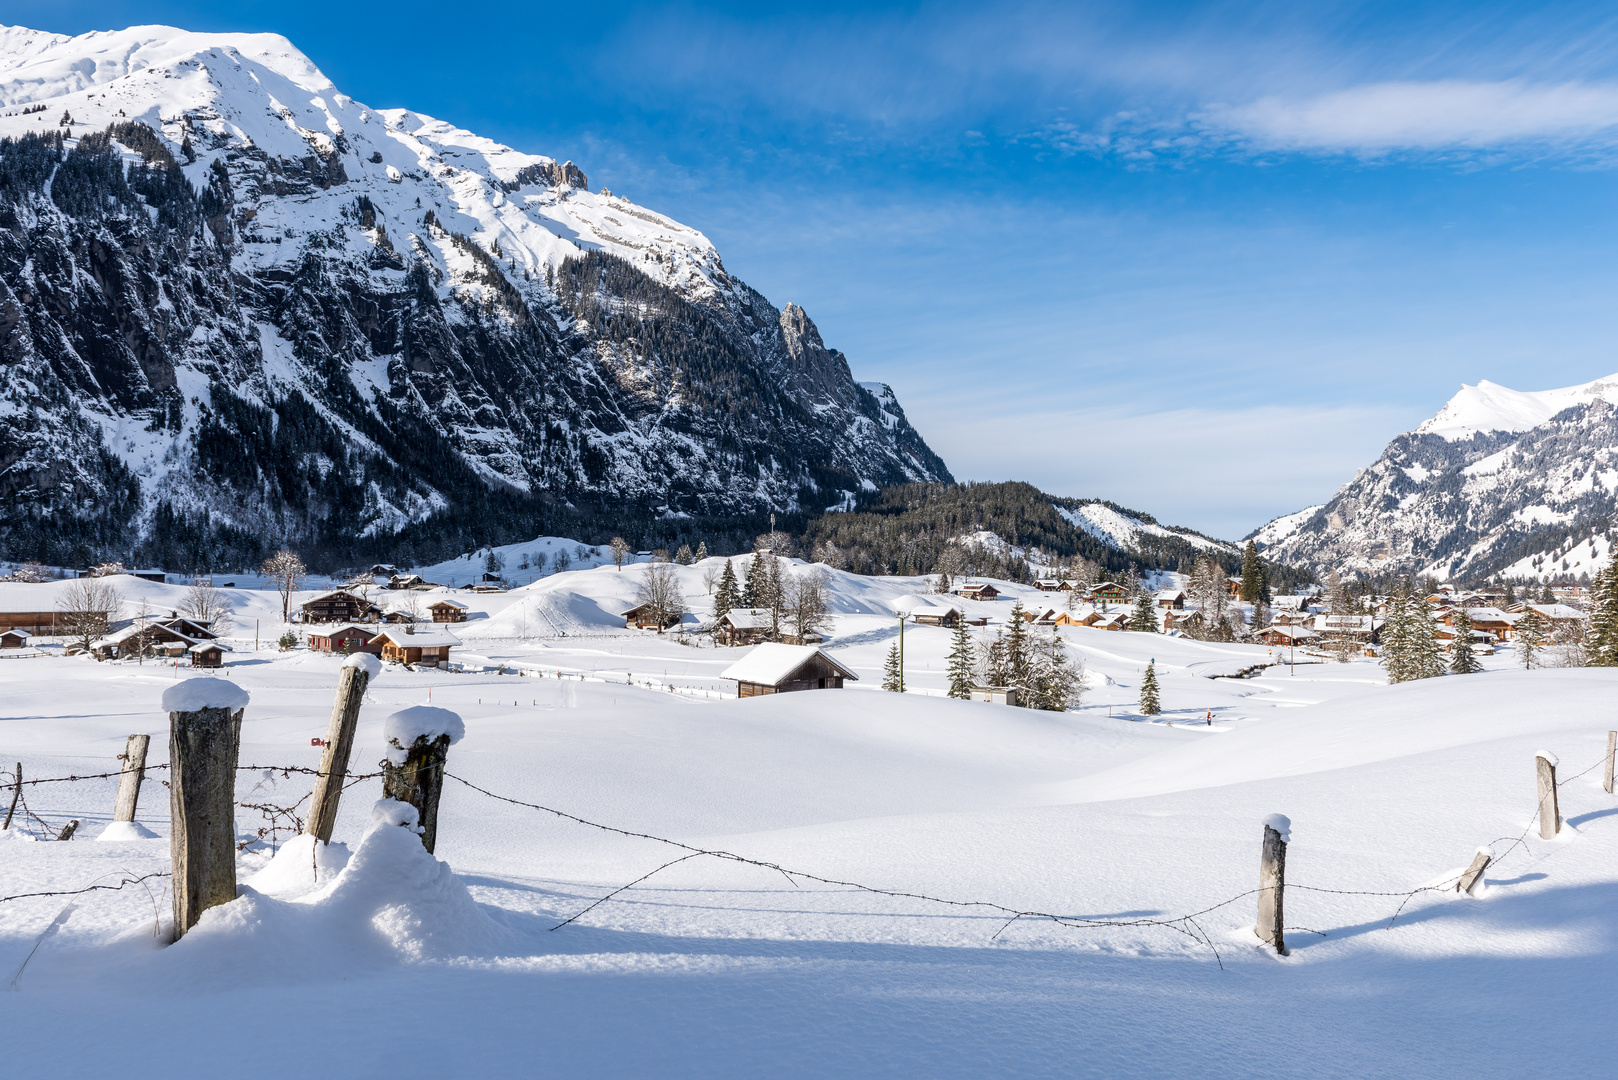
<point x="231" y="294"/>
<point x="1500" y="482"/>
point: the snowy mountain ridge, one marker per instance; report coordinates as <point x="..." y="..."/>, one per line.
<point x="1518" y="483"/>
<point x="232" y="294"/>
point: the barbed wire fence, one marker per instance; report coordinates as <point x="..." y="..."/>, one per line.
<point x="285" y="818"/>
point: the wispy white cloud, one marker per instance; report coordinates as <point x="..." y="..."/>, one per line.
<point x="1447" y="115"/>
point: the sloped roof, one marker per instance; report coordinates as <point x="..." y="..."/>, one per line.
<point x="425" y="636"/>
<point x="333" y="629"/>
<point x="773" y="664"/>
<point x="749" y="618"/>
<point x="446" y="602"/>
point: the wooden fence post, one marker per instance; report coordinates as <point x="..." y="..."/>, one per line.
<point x="1272" y="880"/>
<point x="205" y="716"/>
<point x="1474" y="873"/>
<point x="356" y="675"/>
<point x="1550" y="816"/>
<point x="418" y="741"/>
<point x="1612" y="754"/>
<point x="129" y="783"/>
<point x="16" y="790"/>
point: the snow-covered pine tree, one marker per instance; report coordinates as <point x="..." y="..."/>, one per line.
<point x="727" y="595"/>
<point x="1252" y="574"/>
<point x="1056" y="679"/>
<point x="1462" y="660"/>
<point x="960" y="662"/>
<point x="1150" y="705"/>
<point x="702" y="550"/>
<point x="1601" y="636"/>
<point x="756" y="582"/>
<point x="1530" y="636"/>
<point x="1017" y="648"/>
<point x="683" y="556"/>
<point x="1410" y="645"/>
<point x="892" y="673"/>
<point x="1143" y="618"/>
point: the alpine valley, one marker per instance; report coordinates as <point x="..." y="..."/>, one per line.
<point x="238" y="307"/>
<point x="1500" y="483"/>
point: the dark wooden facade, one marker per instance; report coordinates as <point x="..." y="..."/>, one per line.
<point x="338" y="607"/>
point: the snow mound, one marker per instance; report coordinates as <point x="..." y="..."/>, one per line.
<point x="302" y="865"/>
<point x="391" y="902"/>
<point x="126" y="830"/>
<point x="401" y="730"/>
<point x="367" y="663"/>
<point x="204" y="693"/>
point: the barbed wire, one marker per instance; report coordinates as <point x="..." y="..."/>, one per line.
<point x="91" y="888"/>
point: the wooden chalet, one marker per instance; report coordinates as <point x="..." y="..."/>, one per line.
<point x="1501" y="626"/>
<point x="1181" y="620"/>
<point x="978" y="592"/>
<point x="1108" y="592"/>
<point x="201" y="629"/>
<point x="744" y="626"/>
<point x="1171" y="599"/>
<point x="1287" y="635"/>
<point x="773" y="668"/>
<point x="1066" y="618"/>
<point x="14" y="639"/>
<point x="34" y="622"/>
<point x="1046" y="584"/>
<point x="150" y="575"/>
<point x="1233" y="587"/>
<point x="447" y="610"/>
<point x="1362" y="628"/>
<point x="137" y="639"/>
<point x="339" y="607"/>
<point x="347" y="638"/>
<point x="207" y="654"/>
<point x="395" y="614"/>
<point x="415" y="645"/>
<point x="1116" y="620"/>
<point x="936" y="615"/>
<point x="641" y="617"/>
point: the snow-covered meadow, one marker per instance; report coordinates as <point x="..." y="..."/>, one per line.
<point x="719" y="967"/>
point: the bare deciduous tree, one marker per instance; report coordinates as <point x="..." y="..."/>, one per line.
<point x="806" y="608"/>
<point x="620" y="551"/>
<point x="660" y="591"/>
<point x="710" y="577"/>
<point x="85" y="610"/>
<point x="285" y="570"/>
<point x="208" y="605"/>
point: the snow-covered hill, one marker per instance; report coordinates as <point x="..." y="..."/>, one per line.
<point x="1500" y="481"/>
<point x="1129" y="532"/>
<point x="228" y="287"/>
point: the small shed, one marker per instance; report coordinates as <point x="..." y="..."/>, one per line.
<point x="415" y="645"/>
<point x="151" y="575"/>
<point x="447" y="610"/>
<point x="773" y="668"/>
<point x="346" y="638"/>
<point x="207" y="654"/>
<point x="14" y="639"/>
<point x="936" y="615"/>
<point x="995" y="695"/>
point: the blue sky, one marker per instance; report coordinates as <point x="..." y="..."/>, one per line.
<point x="1200" y="259"/>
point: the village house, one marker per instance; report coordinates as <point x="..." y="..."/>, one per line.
<point x="14" y="639"/>
<point x="207" y="654"/>
<point x="447" y="610"/>
<point x="1181" y="620"/>
<point x="340" y="606"/>
<point x="1171" y="598"/>
<point x="931" y="614"/>
<point x="1500" y="625"/>
<point x="395" y="614"/>
<point x="773" y="668"/>
<point x="1365" y="629"/>
<point x="978" y="592"/>
<point x="1287" y="635"/>
<point x="149" y="638"/>
<point x="1065" y="618"/>
<point x="34" y="622"/>
<point x="744" y="626"/>
<point x="347" y="638"/>
<point x="1557" y="616"/>
<point x="1117" y="620"/>
<point x="1233" y="588"/>
<point x="1482" y="641"/>
<point x="416" y="645"/>
<point x="1045" y="584"/>
<point x="641" y="617"/>
<point x="1108" y="592"/>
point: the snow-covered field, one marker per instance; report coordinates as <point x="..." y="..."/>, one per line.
<point x="716" y="967"/>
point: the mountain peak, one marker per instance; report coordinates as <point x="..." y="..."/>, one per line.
<point x="1489" y="406"/>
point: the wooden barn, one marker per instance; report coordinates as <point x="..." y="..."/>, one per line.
<point x="640" y="617"/>
<point x="346" y="638"/>
<point x="415" y="645"/>
<point x="34" y="622"/>
<point x="447" y="610"/>
<point x="338" y="607"/>
<point x="978" y="592"/>
<point x="936" y="615"/>
<point x="743" y="626"/>
<point x="1287" y="635"/>
<point x="781" y="669"/>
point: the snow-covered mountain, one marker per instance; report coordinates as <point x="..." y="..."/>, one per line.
<point x="1500" y="481"/>
<point x="227" y="288"/>
<point x="1135" y="533"/>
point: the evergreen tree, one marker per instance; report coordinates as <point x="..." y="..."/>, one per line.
<point x="892" y="674"/>
<point x="1149" y="703"/>
<point x="960" y="662"/>
<point x="1463" y="661"/>
<point x="1017" y="648"/>
<point x="1530" y="632"/>
<point x="1056" y="679"/>
<point x="702" y="550"/>
<point x="1144" y="617"/>
<point x="1252" y="574"/>
<point x="1601" y="636"/>
<point x="683" y="556"/>
<point x="727" y="596"/>
<point x="756" y="582"/>
<point x="1410" y="648"/>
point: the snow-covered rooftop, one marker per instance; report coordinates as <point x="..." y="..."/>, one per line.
<point x="773" y="663"/>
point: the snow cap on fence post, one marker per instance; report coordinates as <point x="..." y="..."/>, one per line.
<point x="1550" y="813"/>
<point x="418" y="741"/>
<point x="205" y="717"/>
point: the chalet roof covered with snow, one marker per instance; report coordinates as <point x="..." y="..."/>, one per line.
<point x="749" y="618"/>
<point x="418" y="637"/>
<point x="447" y="602"/>
<point x="772" y="664"/>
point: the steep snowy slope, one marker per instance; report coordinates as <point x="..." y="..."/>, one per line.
<point x="1499" y="481"/>
<point x="229" y="288"/>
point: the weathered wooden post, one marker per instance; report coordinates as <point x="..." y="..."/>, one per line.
<point x="134" y="773"/>
<point x="418" y="741"/>
<point x="1550" y="816"/>
<point x="1474" y="873"/>
<point x="16" y="790"/>
<point x="1272" y="880"/>
<point x="205" y="716"/>
<point x="1612" y="755"/>
<point x="356" y="675"/>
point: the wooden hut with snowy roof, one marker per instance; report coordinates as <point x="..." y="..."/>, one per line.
<point x="447" y="610"/>
<point x="744" y="626"/>
<point x="415" y="645"/>
<point x="340" y="606"/>
<point x="774" y="668"/>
